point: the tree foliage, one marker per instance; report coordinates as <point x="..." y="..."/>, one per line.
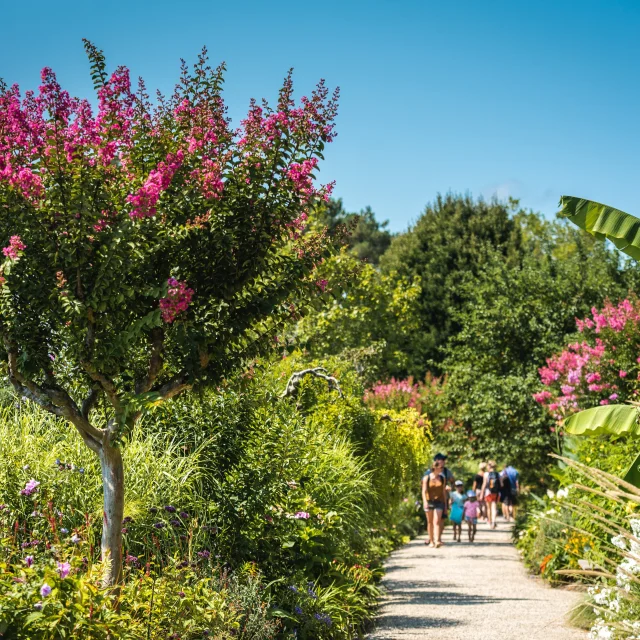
<point x="149" y="247"/>
<point x="515" y="316"/>
<point x="450" y="242"/>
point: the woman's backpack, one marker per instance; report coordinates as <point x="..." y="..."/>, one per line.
<point x="494" y="482"/>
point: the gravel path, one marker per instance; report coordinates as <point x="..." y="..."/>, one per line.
<point x="470" y="592"/>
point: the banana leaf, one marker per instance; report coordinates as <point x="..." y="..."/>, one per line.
<point x="611" y="419"/>
<point x="604" y="222"/>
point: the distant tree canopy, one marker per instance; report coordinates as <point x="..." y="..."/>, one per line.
<point x="450" y="242"/>
<point x="369" y="239"/>
<point x="513" y="318"/>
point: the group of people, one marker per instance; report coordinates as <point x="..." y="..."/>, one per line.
<point x="445" y="497"/>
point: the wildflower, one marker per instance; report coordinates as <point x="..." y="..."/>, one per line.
<point x="63" y="569"/>
<point x="30" y="487"/>
<point x="29" y="561"/>
<point x="131" y="559"/>
<point x="127" y="519"/>
<point x="622" y="374"/>
<point x="293" y="588"/>
<point x="75" y="538"/>
<point x="125" y="530"/>
<point x="45" y="590"/>
<point x="38" y="606"/>
<point x="64" y="531"/>
<point x="159" y="525"/>
<point x="175" y="523"/>
<point x="301" y="515"/>
<point x="181" y="594"/>
<point x="298" y="610"/>
<point x="170" y="509"/>
<point x="204" y="554"/>
<point x="184" y="515"/>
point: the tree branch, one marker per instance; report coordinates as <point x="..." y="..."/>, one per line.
<point x="155" y="361"/>
<point x="107" y="385"/>
<point x="89" y="402"/>
<point x="52" y="398"/>
<point x="291" y="389"/>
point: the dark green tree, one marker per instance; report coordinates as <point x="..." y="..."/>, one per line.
<point x="369" y="238"/>
<point x="450" y="243"/>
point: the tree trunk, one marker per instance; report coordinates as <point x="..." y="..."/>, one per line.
<point x="113" y="488"/>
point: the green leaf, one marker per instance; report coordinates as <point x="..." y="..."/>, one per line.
<point x="604" y="222"/>
<point x="633" y="473"/>
<point x="614" y="419"/>
<point x="32" y="617"/>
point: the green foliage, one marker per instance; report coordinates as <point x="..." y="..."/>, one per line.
<point x="449" y="243"/>
<point x="604" y="222"/>
<point x="368" y="239"/>
<point x="372" y="319"/>
<point x="613" y="420"/>
<point x="310" y="491"/>
<point x="516" y="316"/>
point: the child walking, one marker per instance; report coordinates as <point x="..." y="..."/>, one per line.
<point x="471" y="511"/>
<point x="458" y="498"/>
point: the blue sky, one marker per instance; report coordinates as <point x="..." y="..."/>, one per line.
<point x="521" y="98"/>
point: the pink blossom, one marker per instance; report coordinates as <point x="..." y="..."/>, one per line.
<point x="613" y="396"/>
<point x="301" y="515"/>
<point x="566" y="389"/>
<point x="16" y="246"/>
<point x="322" y="285"/>
<point x="177" y="301"/>
<point x="622" y="374"/>
<point x="542" y="397"/>
<point x="604" y="402"/>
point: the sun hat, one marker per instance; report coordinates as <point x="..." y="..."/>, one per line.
<point x="471" y="494"/>
<point x="459" y="483"/>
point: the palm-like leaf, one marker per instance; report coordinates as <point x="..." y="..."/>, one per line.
<point x="604" y="222"/>
<point x="613" y="419"/>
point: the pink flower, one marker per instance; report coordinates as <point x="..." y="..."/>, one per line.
<point x="613" y="396"/>
<point x="322" y="285"/>
<point x="301" y="515"/>
<point x="622" y="374"/>
<point x="603" y="402"/>
<point x="566" y="389"/>
<point x="15" y="247"/>
<point x="542" y="397"/>
<point x="178" y="300"/>
<point x="30" y="487"/>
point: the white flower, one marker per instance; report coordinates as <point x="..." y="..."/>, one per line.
<point x="550" y="494"/>
<point x="620" y="542"/>
<point x="562" y="493"/>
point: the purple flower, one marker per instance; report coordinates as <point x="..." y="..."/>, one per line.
<point x="30" y="487"/>
<point x="63" y="569"/>
<point x="293" y="588"/>
<point x="45" y="590"/>
<point x="65" y="531"/>
<point x="301" y="515"/>
<point x="176" y="523"/>
<point x="184" y="515"/>
<point x="170" y="509"/>
<point x="127" y="519"/>
<point x="38" y="606"/>
<point x="29" y="561"/>
<point x="75" y="538"/>
<point x="153" y="510"/>
<point x="125" y="530"/>
<point x="204" y="554"/>
<point x="181" y="594"/>
<point x="298" y="610"/>
<point x="131" y="559"/>
<point x="613" y="396"/>
<point x="3" y="506"/>
<point x="159" y="525"/>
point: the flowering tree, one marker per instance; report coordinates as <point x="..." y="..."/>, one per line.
<point x="149" y="248"/>
<point x="602" y="369"/>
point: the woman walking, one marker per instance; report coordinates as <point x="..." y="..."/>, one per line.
<point x="491" y="491"/>
<point x="478" y="482"/>
<point x="434" y="496"/>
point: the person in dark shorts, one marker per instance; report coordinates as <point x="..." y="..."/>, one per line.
<point x="434" y="499"/>
<point x="491" y="491"/>
<point x="505" y="495"/>
<point x="450" y="483"/>
<point x="511" y="477"/>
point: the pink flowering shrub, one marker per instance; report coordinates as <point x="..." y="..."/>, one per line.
<point x="602" y="368"/>
<point x="407" y="394"/>
<point x="150" y="246"/>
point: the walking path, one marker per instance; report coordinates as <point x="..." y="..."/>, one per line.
<point x="468" y="591"/>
